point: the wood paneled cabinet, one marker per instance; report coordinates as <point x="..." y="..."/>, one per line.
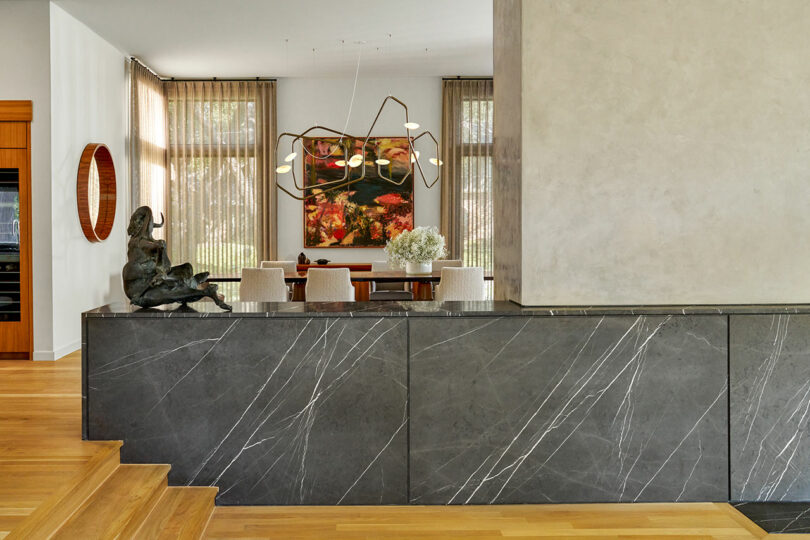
<point x="16" y="325"/>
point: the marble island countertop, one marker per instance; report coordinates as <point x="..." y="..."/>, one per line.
<point x="430" y="309"/>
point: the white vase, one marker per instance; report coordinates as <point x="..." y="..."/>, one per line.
<point x="418" y="268"/>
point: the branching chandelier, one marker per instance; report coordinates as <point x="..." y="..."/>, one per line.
<point x="356" y="160"/>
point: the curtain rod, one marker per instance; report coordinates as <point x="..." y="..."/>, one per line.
<point x="240" y="79"/>
<point x="221" y="79"/>
<point x="150" y="70"/>
<point x="460" y="78"/>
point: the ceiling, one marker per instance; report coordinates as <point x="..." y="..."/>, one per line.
<point x="276" y="38"/>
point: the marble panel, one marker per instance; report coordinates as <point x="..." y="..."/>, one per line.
<point x="272" y="411"/>
<point x="568" y="409"/>
<point x="770" y="407"/>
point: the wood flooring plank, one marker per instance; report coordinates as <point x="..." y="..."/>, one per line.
<point x="636" y="521"/>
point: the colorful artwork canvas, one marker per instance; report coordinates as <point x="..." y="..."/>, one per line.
<point x="367" y="213"/>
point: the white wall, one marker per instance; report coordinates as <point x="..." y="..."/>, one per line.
<point x="666" y="152"/>
<point x="302" y="103"/>
<point x="25" y="74"/>
<point x="88" y="103"/>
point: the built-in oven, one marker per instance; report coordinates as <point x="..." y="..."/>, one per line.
<point x="9" y="244"/>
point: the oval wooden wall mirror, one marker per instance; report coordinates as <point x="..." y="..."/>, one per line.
<point x="95" y="192"/>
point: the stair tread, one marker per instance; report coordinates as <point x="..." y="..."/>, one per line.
<point x="181" y="513"/>
<point x="54" y="512"/>
<point x="116" y="502"/>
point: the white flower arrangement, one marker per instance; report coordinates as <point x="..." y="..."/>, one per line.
<point x="421" y="245"/>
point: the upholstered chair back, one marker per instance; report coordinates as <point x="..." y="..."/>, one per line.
<point x="288" y="266"/>
<point x="329" y="285"/>
<point x="263" y="285"/>
<point x="461" y="284"/>
<point x="443" y="263"/>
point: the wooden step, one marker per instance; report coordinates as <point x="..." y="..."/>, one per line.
<point x="742" y="519"/>
<point x="57" y="509"/>
<point x="146" y="508"/>
<point x="182" y="513"/>
<point x="126" y="497"/>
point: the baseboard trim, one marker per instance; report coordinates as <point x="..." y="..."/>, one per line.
<point x="58" y="353"/>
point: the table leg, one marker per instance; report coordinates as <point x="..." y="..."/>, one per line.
<point x="362" y="291"/>
<point x="422" y="290"/>
<point x="299" y="292"/>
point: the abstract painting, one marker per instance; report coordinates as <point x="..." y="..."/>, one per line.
<point x="367" y="213"/>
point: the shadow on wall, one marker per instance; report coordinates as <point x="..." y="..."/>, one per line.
<point x="115" y="290"/>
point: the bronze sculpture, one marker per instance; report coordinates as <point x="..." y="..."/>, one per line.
<point x="150" y="279"/>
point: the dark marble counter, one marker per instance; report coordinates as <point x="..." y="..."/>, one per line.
<point x="494" y="404"/>
<point x="431" y="309"/>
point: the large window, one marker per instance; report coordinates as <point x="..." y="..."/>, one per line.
<point x="476" y="183"/>
<point x="148" y="141"/>
<point x="467" y="175"/>
<point x="222" y="205"/>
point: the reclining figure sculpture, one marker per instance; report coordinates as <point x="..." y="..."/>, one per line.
<point x="150" y="279"/>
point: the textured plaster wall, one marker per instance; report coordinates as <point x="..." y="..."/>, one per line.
<point x="506" y="160"/>
<point x="666" y="151"/>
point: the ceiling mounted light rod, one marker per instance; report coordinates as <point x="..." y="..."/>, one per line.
<point x="356" y="160"/>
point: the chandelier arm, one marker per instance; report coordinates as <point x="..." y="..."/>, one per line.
<point x="379" y="112"/>
<point x="333" y="188"/>
<point x="331" y="182"/>
<point x="296" y="137"/>
<point x="324" y="128"/>
<point x="391" y="180"/>
<point x="345" y="182"/>
<point x="438" y="159"/>
<point x="311" y="195"/>
<point x="415" y="160"/>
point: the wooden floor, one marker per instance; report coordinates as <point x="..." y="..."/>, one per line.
<point x="41" y="452"/>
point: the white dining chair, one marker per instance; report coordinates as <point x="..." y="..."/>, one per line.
<point x="437" y="267"/>
<point x="289" y="267"/>
<point x="263" y="285"/>
<point x="382" y="290"/>
<point x="443" y="263"/>
<point x="461" y="284"/>
<point x="329" y="285"/>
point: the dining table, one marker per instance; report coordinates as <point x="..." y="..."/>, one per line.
<point x="421" y="284"/>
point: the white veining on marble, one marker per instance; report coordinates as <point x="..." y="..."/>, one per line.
<point x="593" y="393"/>
<point x="764" y="374"/>
<point x="252" y="402"/>
<point x="563" y="413"/>
<point x="377" y="456"/>
<point x="691" y="472"/>
<point x="187" y="373"/>
<point x="678" y="446"/>
<point x="774" y="410"/>
<point x="454" y="338"/>
<point x="282" y="442"/>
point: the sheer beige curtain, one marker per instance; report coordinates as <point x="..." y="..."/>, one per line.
<point x="466" y="215"/>
<point x="147" y="141"/>
<point x="221" y="183"/>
